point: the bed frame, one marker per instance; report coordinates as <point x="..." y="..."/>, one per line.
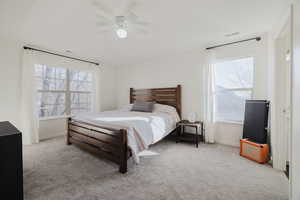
<point x="112" y="143"/>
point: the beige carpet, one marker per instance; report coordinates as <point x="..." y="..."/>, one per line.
<point x="171" y="171"/>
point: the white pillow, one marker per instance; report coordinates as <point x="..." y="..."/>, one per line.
<point x="166" y="109"/>
<point x="126" y="108"/>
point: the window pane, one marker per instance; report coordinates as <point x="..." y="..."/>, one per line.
<point x="74" y="86"/>
<point x="234" y="74"/>
<point x="76" y="75"/>
<point x="80" y="81"/>
<point x="50" y="78"/>
<point x="61" y="73"/>
<point x="49" y="73"/>
<point x="80" y="102"/>
<point x="229" y="76"/>
<point x="52" y="90"/>
<point x="83" y="76"/>
<point x="73" y="75"/>
<point x="80" y="86"/>
<point x="230" y="105"/>
<point x="51" y="104"/>
<point x="60" y="85"/>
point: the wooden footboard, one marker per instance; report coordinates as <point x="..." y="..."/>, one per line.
<point x="107" y="142"/>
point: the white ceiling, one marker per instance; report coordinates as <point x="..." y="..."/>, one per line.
<point x="176" y="25"/>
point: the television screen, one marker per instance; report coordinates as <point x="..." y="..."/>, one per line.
<point x="256" y="121"/>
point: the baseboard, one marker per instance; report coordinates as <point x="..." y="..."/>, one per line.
<point x="54" y="135"/>
<point x="228" y="143"/>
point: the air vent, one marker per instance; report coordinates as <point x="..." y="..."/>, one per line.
<point x="231" y="34"/>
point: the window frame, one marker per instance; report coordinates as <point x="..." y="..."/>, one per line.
<point x="67" y="93"/>
<point x="214" y="92"/>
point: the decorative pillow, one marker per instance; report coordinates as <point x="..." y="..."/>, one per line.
<point x="142" y="106"/>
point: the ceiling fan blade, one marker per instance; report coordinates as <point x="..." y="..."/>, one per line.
<point x="103" y="24"/>
<point x="103" y="18"/>
<point x="141" y="31"/>
<point x="103" y="9"/>
<point x="134" y="20"/>
<point x="128" y="6"/>
<point x="132" y="17"/>
<point x="141" y="24"/>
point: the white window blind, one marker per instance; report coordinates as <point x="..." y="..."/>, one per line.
<point x="63" y="91"/>
<point x="232" y="85"/>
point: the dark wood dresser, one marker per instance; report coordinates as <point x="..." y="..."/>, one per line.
<point x="11" y="162"/>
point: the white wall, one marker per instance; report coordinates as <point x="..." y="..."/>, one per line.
<point x="186" y="69"/>
<point x="108" y="99"/>
<point x="10" y="70"/>
<point x="10" y="90"/>
<point x="229" y="133"/>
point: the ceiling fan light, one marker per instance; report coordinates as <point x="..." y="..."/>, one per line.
<point x="122" y="33"/>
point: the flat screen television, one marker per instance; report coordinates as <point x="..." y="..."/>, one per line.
<point x="256" y="121"/>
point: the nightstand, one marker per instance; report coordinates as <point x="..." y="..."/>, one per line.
<point x="184" y="136"/>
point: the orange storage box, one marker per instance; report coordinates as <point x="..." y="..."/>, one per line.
<point x="254" y="151"/>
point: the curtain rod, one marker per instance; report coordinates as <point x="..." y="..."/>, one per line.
<point x="48" y="52"/>
<point x="221" y="45"/>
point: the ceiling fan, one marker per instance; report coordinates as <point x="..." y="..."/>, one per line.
<point x="121" y="21"/>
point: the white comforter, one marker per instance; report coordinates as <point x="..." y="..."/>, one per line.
<point x="143" y="129"/>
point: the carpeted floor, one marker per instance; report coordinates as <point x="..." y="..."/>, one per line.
<point x="170" y="171"/>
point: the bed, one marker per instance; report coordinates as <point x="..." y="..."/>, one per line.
<point x="121" y="134"/>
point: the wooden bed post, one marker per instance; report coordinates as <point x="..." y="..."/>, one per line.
<point x="131" y="96"/>
<point x="124" y="151"/>
<point x="178" y="97"/>
<point x="68" y="132"/>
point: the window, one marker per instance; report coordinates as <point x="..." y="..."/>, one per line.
<point x="62" y="91"/>
<point x="233" y="84"/>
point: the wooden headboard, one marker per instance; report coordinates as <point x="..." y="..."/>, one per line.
<point x="167" y="96"/>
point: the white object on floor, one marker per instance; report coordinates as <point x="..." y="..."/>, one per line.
<point x="146" y="153"/>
